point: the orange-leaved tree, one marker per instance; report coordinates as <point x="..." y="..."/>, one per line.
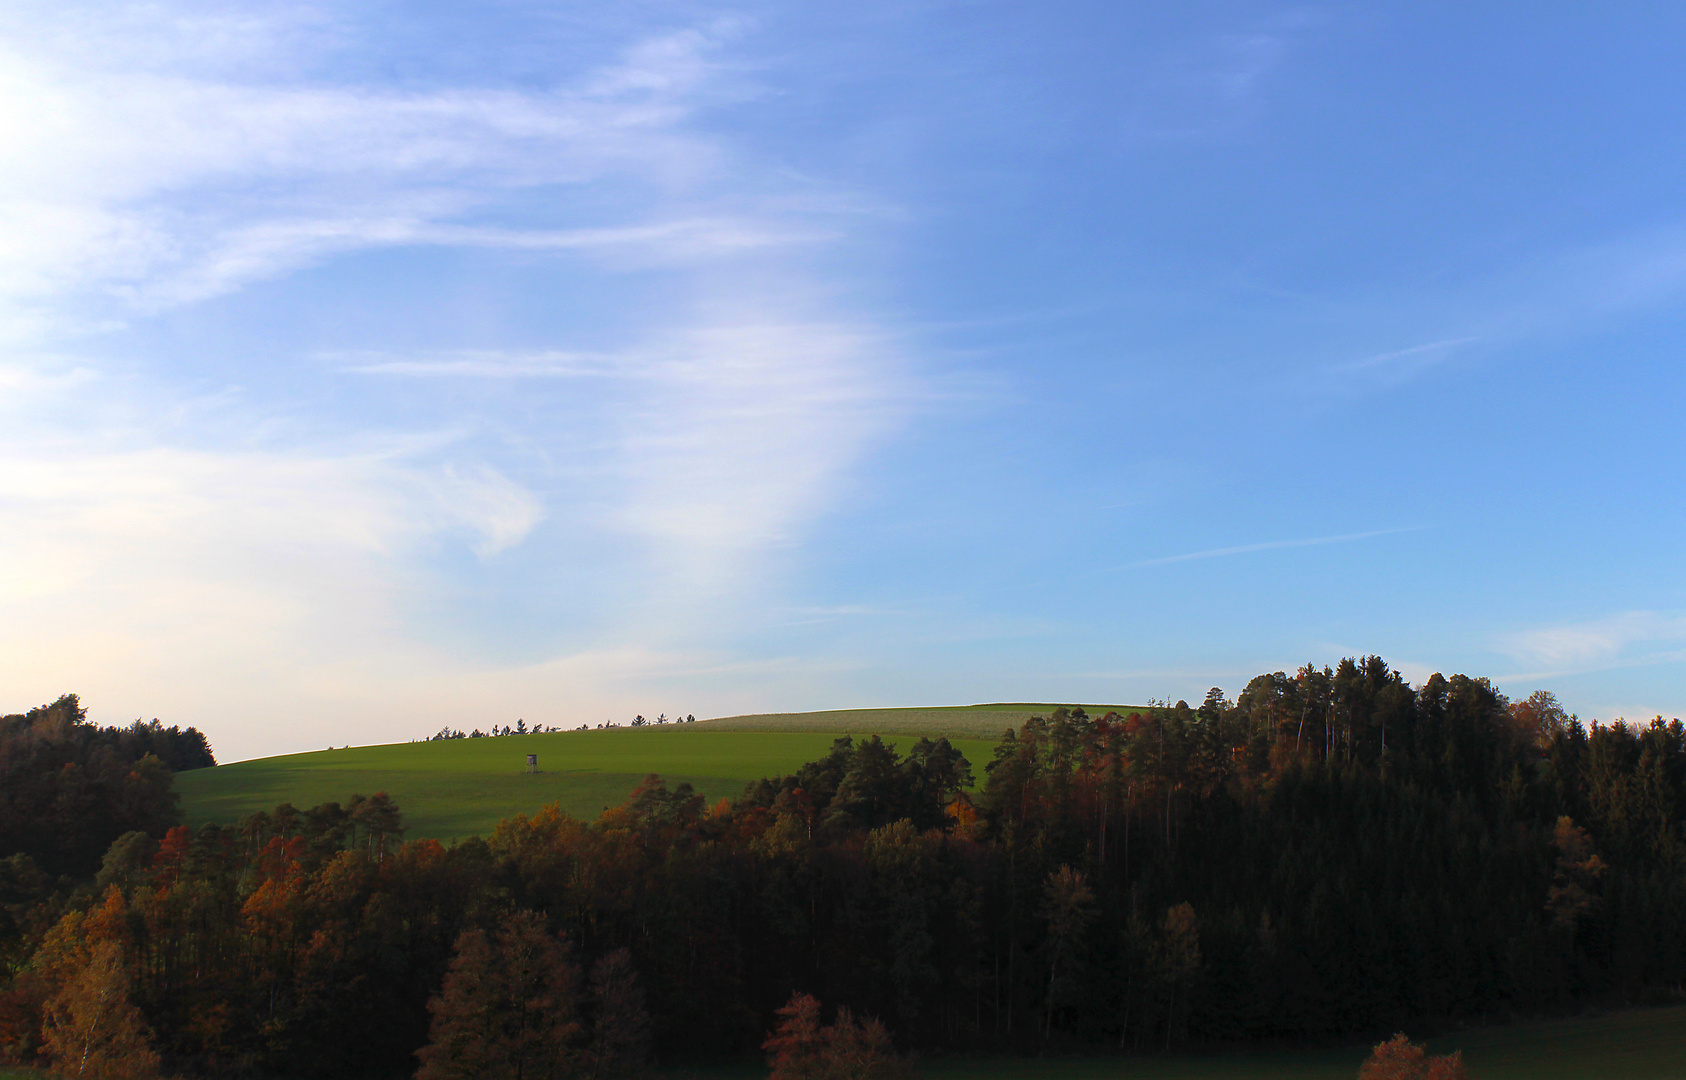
<point x="1401" y="1059"/>
<point x="849" y="1049"/>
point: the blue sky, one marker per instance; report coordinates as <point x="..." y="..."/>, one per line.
<point x="367" y="367"/>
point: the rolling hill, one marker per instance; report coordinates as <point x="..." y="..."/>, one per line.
<point x="462" y="787"/>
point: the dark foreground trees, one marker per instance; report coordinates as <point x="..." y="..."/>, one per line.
<point x="1335" y="853"/>
<point x="509" y="1009"/>
<point x="513" y="1007"/>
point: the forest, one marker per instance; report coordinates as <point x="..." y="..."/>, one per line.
<point x="69" y="788"/>
<point x="1334" y="852"/>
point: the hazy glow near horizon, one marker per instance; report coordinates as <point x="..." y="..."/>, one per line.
<point x="370" y="367"/>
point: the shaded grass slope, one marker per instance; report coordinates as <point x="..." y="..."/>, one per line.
<point x="1639" y="1044"/>
<point x="1642" y="1044"/>
<point x="1645" y="1044"/>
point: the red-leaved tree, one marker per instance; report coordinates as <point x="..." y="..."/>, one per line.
<point x="1401" y="1059"/>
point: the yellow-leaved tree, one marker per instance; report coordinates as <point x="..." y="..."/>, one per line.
<point x="91" y="1029"/>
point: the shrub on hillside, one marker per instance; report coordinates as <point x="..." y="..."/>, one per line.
<point x="1401" y="1059"/>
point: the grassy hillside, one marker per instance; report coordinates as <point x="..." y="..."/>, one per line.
<point x="463" y="787"/>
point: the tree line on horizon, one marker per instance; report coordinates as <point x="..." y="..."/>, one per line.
<point x="1331" y="853"/>
<point x="448" y="732"/>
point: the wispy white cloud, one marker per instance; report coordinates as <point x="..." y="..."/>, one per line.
<point x="743" y="435"/>
<point x="815" y="616"/>
<point x="192" y="548"/>
<point x="1628" y="713"/>
<point x="1217" y="86"/>
<point x="485" y="364"/>
<point x="1269" y="545"/>
<point x="144" y="173"/>
<point x="1245" y="60"/>
<point x="1416" y="356"/>
<point x="1596" y="643"/>
<point x="152" y="575"/>
<point x="688" y="239"/>
<point x="1393" y="368"/>
<point x="265" y="591"/>
<point x="1553" y="295"/>
<point x="239" y="254"/>
<point x="725" y="439"/>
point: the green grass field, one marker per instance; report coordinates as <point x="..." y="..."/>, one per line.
<point x="463" y="787"/>
<point x="1642" y="1044"/>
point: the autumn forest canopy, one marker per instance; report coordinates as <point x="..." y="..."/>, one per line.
<point x="1332" y="853"/>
